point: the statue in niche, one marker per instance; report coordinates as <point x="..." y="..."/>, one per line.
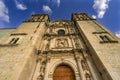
<point x="77" y="43"/>
<point x="47" y="43"/>
<point x="47" y="46"/>
<point x="50" y="30"/>
<point x="87" y="76"/>
<point x="84" y="65"/>
<point x="42" y="69"/>
<point x="62" y="43"/>
<point x="40" y="77"/>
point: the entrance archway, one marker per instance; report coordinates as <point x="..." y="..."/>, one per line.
<point x="63" y="72"/>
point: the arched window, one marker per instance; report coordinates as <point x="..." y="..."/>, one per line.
<point x="61" y="32"/>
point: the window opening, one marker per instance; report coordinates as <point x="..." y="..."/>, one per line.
<point x="61" y="32"/>
<point x="14" y="41"/>
<point x="105" y="38"/>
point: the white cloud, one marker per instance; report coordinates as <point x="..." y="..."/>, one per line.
<point x="56" y="2"/>
<point x="3" y="12"/>
<point x="47" y="9"/>
<point x="20" y="5"/>
<point x="118" y="34"/>
<point x="101" y="6"/>
<point x="93" y="16"/>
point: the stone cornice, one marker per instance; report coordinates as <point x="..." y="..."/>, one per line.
<point x="112" y="41"/>
<point x="63" y="51"/>
<point x="14" y="34"/>
<point x="99" y="32"/>
<point x="74" y="34"/>
<point x="8" y="45"/>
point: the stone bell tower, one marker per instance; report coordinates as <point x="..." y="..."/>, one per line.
<point x="76" y="49"/>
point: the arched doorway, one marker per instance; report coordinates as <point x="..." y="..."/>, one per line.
<point x="63" y="72"/>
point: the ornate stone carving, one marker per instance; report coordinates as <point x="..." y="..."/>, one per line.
<point x="47" y="46"/>
<point x="86" y="70"/>
<point x="76" y="42"/>
<point x="48" y="59"/>
<point x="42" y="68"/>
<point x="50" y="30"/>
<point x="40" y="77"/>
<point x="88" y="76"/>
<point x="61" y="43"/>
<point x="47" y="42"/>
<point x="71" y="30"/>
<point x="84" y="65"/>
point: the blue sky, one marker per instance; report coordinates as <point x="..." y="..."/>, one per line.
<point x="107" y="12"/>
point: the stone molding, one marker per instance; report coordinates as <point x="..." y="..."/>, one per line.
<point x="8" y="45"/>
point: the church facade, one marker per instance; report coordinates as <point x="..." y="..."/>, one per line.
<point x="76" y="49"/>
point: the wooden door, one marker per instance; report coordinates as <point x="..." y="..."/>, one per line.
<point x="63" y="72"/>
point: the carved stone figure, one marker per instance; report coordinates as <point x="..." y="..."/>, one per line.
<point x="77" y="43"/>
<point x="47" y="42"/>
<point x="50" y="29"/>
<point x="40" y="77"/>
<point x="62" y="43"/>
<point x="47" y="46"/>
<point x="87" y="76"/>
<point x="42" y="69"/>
<point x="84" y="65"/>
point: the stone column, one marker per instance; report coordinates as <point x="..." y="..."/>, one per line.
<point x="36" y="75"/>
<point x="72" y="42"/>
<point x="78" y="60"/>
<point x="92" y="68"/>
<point x="41" y="67"/>
<point x="47" y="67"/>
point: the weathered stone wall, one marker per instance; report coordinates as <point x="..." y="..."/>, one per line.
<point x="5" y="31"/>
<point x="105" y="55"/>
<point x="17" y="61"/>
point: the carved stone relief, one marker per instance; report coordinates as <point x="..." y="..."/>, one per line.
<point x="59" y="24"/>
<point x="84" y="65"/>
<point x="47" y="42"/>
<point x="40" y="77"/>
<point x="71" y="30"/>
<point x="77" y="44"/>
<point x="86" y="69"/>
<point x="61" y="43"/>
<point x="88" y="77"/>
<point x="42" y="69"/>
<point x="47" y="46"/>
<point x="50" y="30"/>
